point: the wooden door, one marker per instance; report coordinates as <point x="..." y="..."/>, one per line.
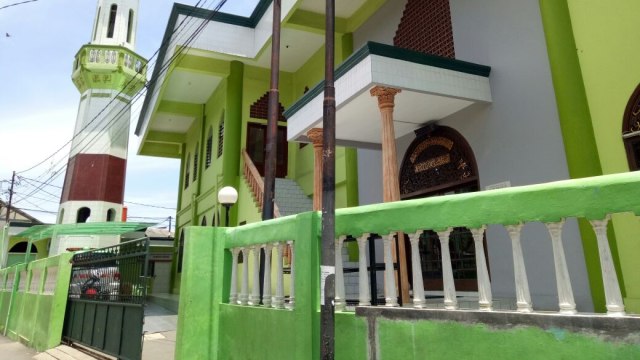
<point x="256" y="144"/>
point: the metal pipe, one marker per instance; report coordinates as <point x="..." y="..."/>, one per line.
<point x="328" y="191"/>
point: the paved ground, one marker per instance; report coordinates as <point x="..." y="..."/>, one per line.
<point x="159" y="341"/>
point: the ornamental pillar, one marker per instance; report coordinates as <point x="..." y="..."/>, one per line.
<point x="315" y="135"/>
<point x="390" y="183"/>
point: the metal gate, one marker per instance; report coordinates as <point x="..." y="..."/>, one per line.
<point x="107" y="291"/>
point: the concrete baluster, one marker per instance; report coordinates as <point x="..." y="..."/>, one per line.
<point x="364" y="298"/>
<point x="450" y="300"/>
<point x="390" y="294"/>
<point x="613" y="296"/>
<point x="340" y="301"/>
<point x="254" y="299"/>
<point x="523" y="296"/>
<point x="233" y="291"/>
<point x="292" y="288"/>
<point x="278" y="301"/>
<point x="485" y="300"/>
<point x="563" y="281"/>
<point x="244" y="289"/>
<point x="266" y="289"/>
<point x="416" y="268"/>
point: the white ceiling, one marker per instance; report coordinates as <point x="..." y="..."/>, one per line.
<point x="190" y="87"/>
<point x="166" y="122"/>
<point x="344" y="8"/>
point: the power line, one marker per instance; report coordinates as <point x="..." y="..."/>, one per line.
<point x="18" y="3"/>
<point x="149" y="205"/>
<point x="40" y="182"/>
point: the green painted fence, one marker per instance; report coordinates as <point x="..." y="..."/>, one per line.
<point x="209" y="327"/>
<point x="33" y="299"/>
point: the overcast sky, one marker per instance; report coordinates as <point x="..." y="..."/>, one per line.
<point x="38" y="101"/>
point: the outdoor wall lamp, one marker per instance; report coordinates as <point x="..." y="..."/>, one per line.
<point x="227" y="196"/>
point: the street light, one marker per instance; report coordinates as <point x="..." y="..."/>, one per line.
<point x="227" y="196"/>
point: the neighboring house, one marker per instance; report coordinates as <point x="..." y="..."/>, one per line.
<point x="17" y="246"/>
<point x="486" y="101"/>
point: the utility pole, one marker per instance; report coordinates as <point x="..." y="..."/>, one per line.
<point x="272" y="131"/>
<point x="13" y="180"/>
<point x="5" y="232"/>
<point x="328" y="261"/>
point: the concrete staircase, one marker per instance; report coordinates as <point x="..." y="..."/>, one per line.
<point x="290" y="198"/>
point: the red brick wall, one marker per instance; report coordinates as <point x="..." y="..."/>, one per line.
<point x="426" y="27"/>
<point x="94" y="177"/>
<point x="260" y="109"/>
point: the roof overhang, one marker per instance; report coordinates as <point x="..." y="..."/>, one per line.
<point x="42" y="232"/>
<point x="432" y="87"/>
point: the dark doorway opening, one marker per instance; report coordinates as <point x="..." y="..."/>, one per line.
<point x="256" y="143"/>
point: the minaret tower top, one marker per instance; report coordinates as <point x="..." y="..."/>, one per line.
<point x="115" y="23"/>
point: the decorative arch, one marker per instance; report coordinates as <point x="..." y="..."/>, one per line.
<point x="187" y="169"/>
<point x="83" y="215"/>
<point x="209" y="146"/>
<point x="112" y="20"/>
<point x="631" y="130"/>
<point x="180" y="251"/>
<point x="21" y="247"/>
<point x="260" y="109"/>
<point x="195" y="162"/>
<point x="204" y="221"/>
<point x="111" y="215"/>
<point x="438" y="161"/>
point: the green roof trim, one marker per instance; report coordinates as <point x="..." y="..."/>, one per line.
<point x="389" y="51"/>
<point x="41" y="232"/>
<point x="181" y="9"/>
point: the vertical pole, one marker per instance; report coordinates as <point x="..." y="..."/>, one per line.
<point x="328" y="191"/>
<point x="272" y="128"/>
<point x="5" y="237"/>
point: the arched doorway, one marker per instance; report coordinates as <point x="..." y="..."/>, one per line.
<point x="631" y="130"/>
<point x="441" y="162"/>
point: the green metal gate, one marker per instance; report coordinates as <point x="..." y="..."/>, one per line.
<point x="107" y="291"/>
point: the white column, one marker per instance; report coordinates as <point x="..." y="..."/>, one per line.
<point x="266" y="289"/>
<point x="292" y="288"/>
<point x="416" y="268"/>
<point x="278" y="301"/>
<point x="615" y="306"/>
<point x="254" y="299"/>
<point x="565" y="292"/>
<point x="523" y="297"/>
<point x="340" y="301"/>
<point x="363" y="275"/>
<point x="449" y="286"/>
<point x="390" y="295"/>
<point x="233" y="292"/>
<point x="485" y="300"/>
<point x="244" y="290"/>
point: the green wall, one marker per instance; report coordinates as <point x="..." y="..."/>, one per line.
<point x="594" y="73"/>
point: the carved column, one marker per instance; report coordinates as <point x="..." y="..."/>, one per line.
<point x="390" y="182"/>
<point x="315" y="135"/>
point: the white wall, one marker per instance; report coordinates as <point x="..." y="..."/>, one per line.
<point x="516" y="138"/>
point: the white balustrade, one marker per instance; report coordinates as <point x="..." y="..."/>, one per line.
<point x="390" y="294"/>
<point x="416" y="269"/>
<point x="254" y="299"/>
<point x="339" y="300"/>
<point x="523" y="297"/>
<point x="244" y="289"/>
<point x="485" y="300"/>
<point x="266" y="289"/>
<point x="449" y="287"/>
<point x="292" y="276"/>
<point x="278" y="300"/>
<point x="565" y="292"/>
<point x="613" y="296"/>
<point x="363" y="274"/>
<point x="233" y="291"/>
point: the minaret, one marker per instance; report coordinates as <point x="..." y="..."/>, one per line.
<point x="108" y="73"/>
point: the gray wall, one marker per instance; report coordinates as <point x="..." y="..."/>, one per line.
<point x="515" y="138"/>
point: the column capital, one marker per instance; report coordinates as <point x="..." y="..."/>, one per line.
<point x="386" y="95"/>
<point x="315" y="135"/>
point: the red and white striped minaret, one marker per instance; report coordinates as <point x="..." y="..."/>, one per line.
<point x="108" y="74"/>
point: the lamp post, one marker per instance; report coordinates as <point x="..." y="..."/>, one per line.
<point x="227" y="196"/>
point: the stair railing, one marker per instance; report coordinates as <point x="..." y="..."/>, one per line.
<point x="255" y="181"/>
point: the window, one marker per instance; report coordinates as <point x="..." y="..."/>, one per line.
<point x="631" y="130"/>
<point x="111" y="215"/>
<point x="186" y="171"/>
<point x="195" y="162"/>
<point x="112" y="20"/>
<point x="207" y="160"/>
<point x="129" y="26"/>
<point x="204" y="221"/>
<point x="220" y="135"/>
<point x="95" y="27"/>
<point x="83" y="215"/>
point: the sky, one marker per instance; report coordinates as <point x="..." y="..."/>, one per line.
<point x="38" y="102"/>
